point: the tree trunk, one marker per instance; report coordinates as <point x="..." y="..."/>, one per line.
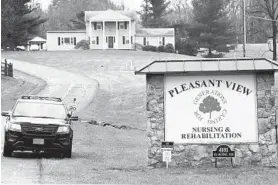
<point x="274" y="30"/>
<point x="210" y="53"/>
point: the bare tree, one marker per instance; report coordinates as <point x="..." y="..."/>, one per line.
<point x="268" y="10"/>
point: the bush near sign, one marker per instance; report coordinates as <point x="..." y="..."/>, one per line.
<point x="223" y="151"/>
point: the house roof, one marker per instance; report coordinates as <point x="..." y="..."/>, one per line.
<point x="209" y="65"/>
<point x="67" y="31"/>
<point x="155" y="32"/>
<point x="109" y="15"/>
<point x="37" y="39"/>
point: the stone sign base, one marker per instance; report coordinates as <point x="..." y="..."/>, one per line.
<point x="263" y="153"/>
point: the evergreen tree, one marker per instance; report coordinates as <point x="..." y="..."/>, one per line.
<point x="145" y="13"/>
<point x="153" y="12"/>
<point x="68" y="15"/>
<point x="19" y="22"/>
<point x="78" y="22"/>
<point x="212" y="26"/>
<point x="158" y="11"/>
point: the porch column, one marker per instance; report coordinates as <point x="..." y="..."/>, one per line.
<point x="90" y="34"/>
<point x="129" y="23"/>
<point x="117" y="36"/>
<point x="103" y="36"/>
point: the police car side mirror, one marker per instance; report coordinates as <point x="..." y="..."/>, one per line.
<point x="5" y="113"/>
<point x="74" y="118"/>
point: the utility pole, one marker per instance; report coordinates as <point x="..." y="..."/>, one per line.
<point x="244" y="30"/>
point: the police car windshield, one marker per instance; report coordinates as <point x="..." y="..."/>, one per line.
<point x="40" y="110"/>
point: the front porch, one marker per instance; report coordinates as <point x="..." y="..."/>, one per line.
<point x="110" y="31"/>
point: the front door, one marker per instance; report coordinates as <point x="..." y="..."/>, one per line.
<point x="110" y="42"/>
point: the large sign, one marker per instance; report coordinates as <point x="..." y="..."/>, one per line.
<point x="211" y="109"/>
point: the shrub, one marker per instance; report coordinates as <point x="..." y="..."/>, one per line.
<point x="214" y="55"/>
<point x="83" y="44"/>
<point x="187" y="48"/>
<point x="149" y="48"/>
<point x="169" y="48"/>
<point x="161" y="48"/>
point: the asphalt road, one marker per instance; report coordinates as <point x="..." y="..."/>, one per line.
<point x="27" y="168"/>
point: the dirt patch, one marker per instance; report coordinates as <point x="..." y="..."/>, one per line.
<point x="21" y="84"/>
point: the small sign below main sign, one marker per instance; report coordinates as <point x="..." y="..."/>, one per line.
<point x="223" y="151"/>
<point x="167" y="144"/>
<point x="167" y="155"/>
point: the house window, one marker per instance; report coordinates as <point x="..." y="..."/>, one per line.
<point x="99" y="26"/>
<point x="106" y="39"/>
<point x="71" y="40"/>
<point x="97" y="40"/>
<point x="62" y="40"/>
<point x="127" y="40"/>
<point x="93" y="40"/>
<point x="125" y="25"/>
<point x="122" y="25"/>
<point x="95" y="26"/>
<point x="74" y="41"/>
<point x="59" y="41"/>
<point x="131" y="39"/>
<point x="163" y="41"/>
<point x="123" y="39"/>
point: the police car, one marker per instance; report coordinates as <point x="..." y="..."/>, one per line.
<point x="38" y="124"/>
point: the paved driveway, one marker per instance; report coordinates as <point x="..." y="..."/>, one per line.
<point x="60" y="84"/>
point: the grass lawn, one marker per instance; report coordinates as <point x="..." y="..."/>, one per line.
<point x="252" y="50"/>
<point x="110" y="155"/>
<point x="13" y="87"/>
<point x="121" y="99"/>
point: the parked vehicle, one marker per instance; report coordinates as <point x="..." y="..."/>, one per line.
<point x="39" y="124"/>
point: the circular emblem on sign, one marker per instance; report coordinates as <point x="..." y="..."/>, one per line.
<point x="210" y="106"/>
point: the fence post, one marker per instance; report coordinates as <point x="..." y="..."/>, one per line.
<point x="6" y="68"/>
<point x="10" y="70"/>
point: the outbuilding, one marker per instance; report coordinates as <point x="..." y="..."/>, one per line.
<point x="37" y="43"/>
<point x="201" y="104"/>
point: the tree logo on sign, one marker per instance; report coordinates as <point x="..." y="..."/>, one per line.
<point x="209" y="105"/>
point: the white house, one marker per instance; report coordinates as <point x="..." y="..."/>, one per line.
<point x="109" y="30"/>
<point x="64" y="40"/>
<point x="155" y="36"/>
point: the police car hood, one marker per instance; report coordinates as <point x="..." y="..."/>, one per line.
<point x="38" y="120"/>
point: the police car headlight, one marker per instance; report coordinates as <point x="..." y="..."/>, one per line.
<point x="63" y="129"/>
<point x="14" y="127"/>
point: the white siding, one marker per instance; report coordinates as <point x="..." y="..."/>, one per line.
<point x="110" y="30"/>
<point x="52" y="40"/>
<point x="155" y="40"/>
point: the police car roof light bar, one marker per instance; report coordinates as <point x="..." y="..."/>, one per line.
<point x="41" y="98"/>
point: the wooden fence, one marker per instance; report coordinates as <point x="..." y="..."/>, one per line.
<point x="6" y="68"/>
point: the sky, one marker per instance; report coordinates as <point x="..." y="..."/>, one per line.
<point x="130" y="4"/>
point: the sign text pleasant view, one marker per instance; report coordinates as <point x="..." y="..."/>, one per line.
<point x="208" y="109"/>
